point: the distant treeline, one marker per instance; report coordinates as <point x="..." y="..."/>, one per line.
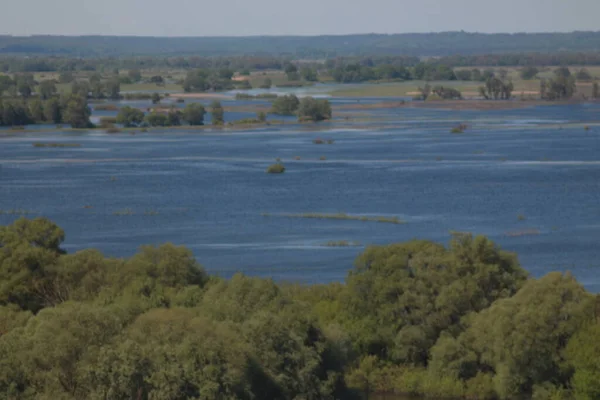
<point x="464" y="321"/>
<point x="17" y="64"/>
<point x="413" y="44"/>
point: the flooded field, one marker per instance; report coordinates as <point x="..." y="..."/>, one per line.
<point x="527" y="178"/>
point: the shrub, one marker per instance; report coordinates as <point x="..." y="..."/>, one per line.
<point x="311" y="109"/>
<point x="285" y="105"/>
<point x="276" y="169"/>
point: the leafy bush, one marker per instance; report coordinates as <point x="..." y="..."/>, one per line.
<point x="276" y="169"/>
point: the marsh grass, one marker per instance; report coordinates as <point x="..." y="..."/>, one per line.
<point x="341" y="243"/>
<point x="461" y="128"/>
<point x="322" y="158"/>
<point x="16" y="211"/>
<point x="38" y="144"/>
<point x="323" y="141"/>
<point x="125" y="211"/>
<point x="276" y="169"/>
<point x="524" y="232"/>
<point x="521" y="217"/>
<point x="341" y="216"/>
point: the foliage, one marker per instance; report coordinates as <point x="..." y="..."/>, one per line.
<point x="276" y="169"/>
<point x="129" y="116"/>
<point x="496" y="88"/>
<point x="193" y="114"/>
<point x="285" y="105"/>
<point x="217" y="113"/>
<point x="561" y="87"/>
<point x="529" y="73"/>
<point x="311" y="109"/>
<point x="462" y="321"/>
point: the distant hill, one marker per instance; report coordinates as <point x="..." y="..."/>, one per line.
<point x="413" y="44"/>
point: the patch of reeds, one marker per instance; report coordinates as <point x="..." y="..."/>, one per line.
<point x="112" y="129"/>
<point x="125" y="211"/>
<point x="341" y="243"/>
<point x="525" y="232"/>
<point x="277" y="168"/>
<point x="461" y="128"/>
<point x="323" y="141"/>
<point x="342" y="216"/>
<point x="37" y="144"/>
<point x="521" y="217"/>
<point x="16" y="211"/>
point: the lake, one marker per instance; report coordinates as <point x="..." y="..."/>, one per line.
<point x="527" y="178"/>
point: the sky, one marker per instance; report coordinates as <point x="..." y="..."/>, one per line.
<point x="285" y="17"/>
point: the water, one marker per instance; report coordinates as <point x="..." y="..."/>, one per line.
<point x="210" y="189"/>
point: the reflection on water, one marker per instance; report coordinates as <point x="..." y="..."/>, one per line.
<point x="208" y="191"/>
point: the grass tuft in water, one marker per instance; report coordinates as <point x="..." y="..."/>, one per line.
<point x="37" y="144"/>
<point x="342" y="243"/>
<point x="341" y="216"/>
<point x="125" y="211"/>
<point x="276" y="169"/>
<point x="525" y="232"/>
<point x="16" y="211"/>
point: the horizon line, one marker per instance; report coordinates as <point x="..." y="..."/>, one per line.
<point x="294" y="35"/>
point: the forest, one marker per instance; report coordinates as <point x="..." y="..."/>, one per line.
<point x="457" y="321"/>
<point x="315" y="47"/>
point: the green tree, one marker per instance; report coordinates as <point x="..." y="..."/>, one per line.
<point x="66" y="77"/>
<point x="583" y="355"/>
<point x="36" y="110"/>
<point x="25" y="88"/>
<point x="519" y="340"/>
<point x="53" y="111"/>
<point x="29" y="247"/>
<point x="292" y="72"/>
<point x="174" y="117"/>
<point x="193" y="114"/>
<point x="76" y="112"/>
<point x="261" y="116"/>
<point x="135" y="75"/>
<point x="285" y="105"/>
<point x="595" y="90"/>
<point x="129" y="116"/>
<point x="113" y="89"/>
<point x="47" y="89"/>
<point x="217" y="113"/>
<point x="311" y="109"/>
<point x="80" y="88"/>
<point x="528" y="73"/>
<point x="309" y="74"/>
<point x="155" y="98"/>
<point x="267" y="83"/>
<point x="156" y="119"/>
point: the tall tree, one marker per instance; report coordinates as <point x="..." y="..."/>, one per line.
<point x="217" y="113"/>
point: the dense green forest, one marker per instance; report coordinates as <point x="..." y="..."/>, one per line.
<point x="463" y="321"/>
<point x="415" y="44"/>
<point x="44" y="63"/>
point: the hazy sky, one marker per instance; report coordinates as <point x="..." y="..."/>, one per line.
<point x="284" y="17"/>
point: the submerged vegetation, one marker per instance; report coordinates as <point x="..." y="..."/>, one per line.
<point x="37" y="144"/>
<point x="463" y="321"/>
<point x="341" y="216"/>
<point x="276" y="168"/>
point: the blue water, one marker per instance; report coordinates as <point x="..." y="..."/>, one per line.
<point x="210" y="189"/>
